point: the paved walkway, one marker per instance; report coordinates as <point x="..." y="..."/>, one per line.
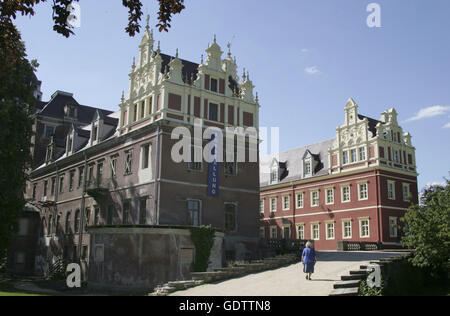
<point x="290" y="280"/>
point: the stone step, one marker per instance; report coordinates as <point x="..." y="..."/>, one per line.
<point x="353" y="291"/>
<point x="346" y="284"/>
<point x="364" y="272"/>
<point x="353" y="277"/>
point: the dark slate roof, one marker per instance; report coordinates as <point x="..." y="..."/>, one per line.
<point x="292" y="161"/>
<point x="189" y="68"/>
<point x="372" y="123"/>
<point x="55" y="107"/>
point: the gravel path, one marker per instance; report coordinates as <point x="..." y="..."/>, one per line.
<point x="290" y="280"/>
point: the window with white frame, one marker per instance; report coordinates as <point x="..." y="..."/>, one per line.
<point x="346" y="229"/>
<point x="329" y="194"/>
<point x="307" y="167"/>
<point x="273" y="232"/>
<point x="353" y="155"/>
<point x="315" y="198"/>
<point x="406" y="192"/>
<point x="299" y="200"/>
<point x="113" y="164"/>
<point x="330" y="230"/>
<point x="345" y="157"/>
<point x="364" y="228"/>
<point x="274" y="175"/>
<point x="286" y="202"/>
<point x="145" y="156"/>
<point x="301" y="232"/>
<point x="345" y="193"/>
<point x="128" y="162"/>
<point x="391" y="190"/>
<point x="261" y="206"/>
<point x="363" y="192"/>
<point x="396" y="156"/>
<point x="273" y="204"/>
<point x="362" y="153"/>
<point x="393" y="227"/>
<point x="315" y="231"/>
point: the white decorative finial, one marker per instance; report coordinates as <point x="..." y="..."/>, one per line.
<point x="133" y="66"/>
<point x="257" y="98"/>
<point x="147" y="27"/>
<point x="243" y="75"/>
<point x="214" y="38"/>
<point x="159" y="47"/>
<point x="229" y="49"/>
<point x="201" y="61"/>
<point x="122" y="99"/>
<point x="176" y="55"/>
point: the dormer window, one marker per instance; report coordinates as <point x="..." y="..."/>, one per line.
<point x="69" y="144"/>
<point x="274" y="175"/>
<point x="70" y="111"/>
<point x="307" y="168"/>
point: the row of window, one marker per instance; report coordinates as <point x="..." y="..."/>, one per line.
<point x="95" y="172"/>
<point x="363" y="194"/>
<point x="330" y="230"/>
<point x="354" y="155"/>
<point x="194" y="214"/>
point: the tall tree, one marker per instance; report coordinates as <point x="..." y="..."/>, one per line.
<point x="16" y="96"/>
<point x="427" y="228"/>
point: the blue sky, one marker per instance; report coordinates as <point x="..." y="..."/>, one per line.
<point x="305" y="57"/>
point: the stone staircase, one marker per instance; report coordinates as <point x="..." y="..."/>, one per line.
<point x="222" y="274"/>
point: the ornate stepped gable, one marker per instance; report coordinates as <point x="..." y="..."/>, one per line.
<point x="361" y="142"/>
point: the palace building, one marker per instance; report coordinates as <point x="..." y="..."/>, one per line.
<point x="351" y="189"/>
<point x="104" y="169"/>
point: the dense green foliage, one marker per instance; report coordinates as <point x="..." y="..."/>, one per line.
<point x="16" y="96"/>
<point x="203" y="238"/>
<point x="427" y="229"/>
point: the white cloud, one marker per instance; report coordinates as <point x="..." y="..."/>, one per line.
<point x="430" y="111"/>
<point x="447" y="125"/>
<point x="312" y="70"/>
<point x="305" y="50"/>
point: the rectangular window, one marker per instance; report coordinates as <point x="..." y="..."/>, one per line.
<point x="34" y="191"/>
<point x="299" y="201"/>
<point x="286" y="232"/>
<point x="273" y="232"/>
<point x="345" y="157"/>
<point x="406" y="192"/>
<point x="113" y="163"/>
<point x="261" y="206"/>
<point x="363" y="191"/>
<point x="95" y="133"/>
<point x="393" y="227"/>
<point x="194" y="213"/>
<point x="145" y="152"/>
<point x="90" y="178"/>
<point x="345" y="193"/>
<point x="143" y="211"/>
<point x="391" y="190"/>
<point x="362" y="153"/>
<point x="315" y="198"/>
<point x="330" y="230"/>
<point x="61" y="184"/>
<point x="273" y="204"/>
<point x="315" y="232"/>
<point x="96" y="216"/>
<point x="128" y="162"/>
<point x="354" y="157"/>
<point x="126" y="212"/>
<point x="307" y="165"/>
<point x="301" y="232"/>
<point x="142" y="109"/>
<point x="346" y="229"/>
<point x="364" y="228"/>
<point x="45" y="188"/>
<point x="329" y="195"/>
<point x="49" y="131"/>
<point x="230" y="217"/>
<point x="396" y="157"/>
<point x="286" y="202"/>
<point x="80" y="176"/>
<point x="71" y="179"/>
<point x="53" y="186"/>
<point x="214" y="85"/>
<point x="135" y="108"/>
<point x="213" y="112"/>
<point x="99" y="172"/>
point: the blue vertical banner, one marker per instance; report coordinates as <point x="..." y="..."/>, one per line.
<point x="214" y="170"/>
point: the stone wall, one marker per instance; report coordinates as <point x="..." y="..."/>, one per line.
<point x="124" y="258"/>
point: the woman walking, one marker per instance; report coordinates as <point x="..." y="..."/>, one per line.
<point x="309" y="259"/>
